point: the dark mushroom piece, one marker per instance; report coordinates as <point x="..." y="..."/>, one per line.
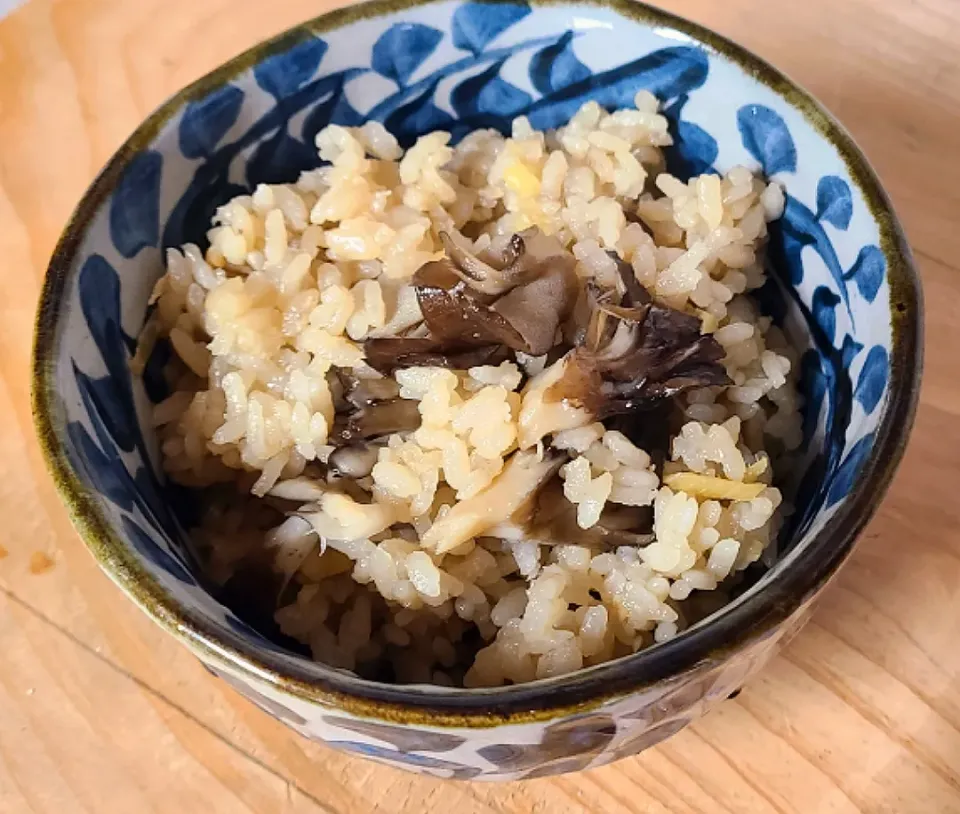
<point x="459" y="309"/>
<point x="361" y="392"/>
<point x="337" y="389"/>
<point x="353" y="461"/>
<point x="389" y="354"/>
<point x="375" y="421"/>
<point x="483" y="277"/>
<point x="552" y="520"/>
<point x="476" y="314"/>
<point x="634" y="293"/>
<point x="536" y="309"/>
<point x="633" y="357"/>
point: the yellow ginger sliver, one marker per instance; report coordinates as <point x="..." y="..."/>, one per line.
<point x="710" y="487"/>
<point x="708" y="322"/>
<point x="755" y="470"/>
<point x="521" y="179"/>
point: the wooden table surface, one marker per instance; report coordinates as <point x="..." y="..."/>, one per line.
<point x="101" y="712"/>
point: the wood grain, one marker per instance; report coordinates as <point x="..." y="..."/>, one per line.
<point x="101" y="712"/>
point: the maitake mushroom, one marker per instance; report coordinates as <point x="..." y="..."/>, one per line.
<point x="476" y="313"/>
<point x="622" y="353"/>
<point x="630" y="353"/>
<point x="375" y="410"/>
<point x="634" y="354"/>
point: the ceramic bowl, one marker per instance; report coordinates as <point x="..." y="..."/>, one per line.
<point x="842" y="285"/>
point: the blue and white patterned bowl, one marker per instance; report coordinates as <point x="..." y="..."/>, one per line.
<point x="842" y="284"/>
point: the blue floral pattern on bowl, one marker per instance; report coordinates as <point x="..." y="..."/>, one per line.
<point x="458" y="66"/>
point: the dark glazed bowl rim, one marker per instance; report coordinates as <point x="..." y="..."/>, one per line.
<point x="816" y="557"/>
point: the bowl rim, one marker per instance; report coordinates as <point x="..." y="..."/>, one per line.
<point x="747" y="619"/>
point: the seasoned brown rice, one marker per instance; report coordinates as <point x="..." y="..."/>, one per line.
<point x="415" y="569"/>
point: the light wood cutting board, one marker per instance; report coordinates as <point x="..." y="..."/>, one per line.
<point x="100" y="712"/>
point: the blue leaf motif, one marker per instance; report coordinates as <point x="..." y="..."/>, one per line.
<point x="415" y="90"/>
<point x="418" y="116"/>
<point x="787" y="243"/>
<point x="99" y="290"/>
<point x="849" y="351"/>
<point x="112" y="414"/>
<point x="813" y="385"/>
<point x="401" y="738"/>
<point x="767" y="138"/>
<point x="190" y="220"/>
<point x="868" y="271"/>
<point x="667" y="73"/>
<point x="105" y="472"/>
<point x="824" y="305"/>
<point x="207" y="120"/>
<point x="556" y="66"/>
<point x="798" y="228"/>
<point x="403" y="48"/>
<point x="475" y="24"/>
<point x="698" y="148"/>
<point x="282" y="74"/>
<point x="843" y="481"/>
<point x="135" y="205"/>
<point x="154" y="379"/>
<point x="109" y="409"/>
<point x="773" y="300"/>
<point x="155" y="552"/>
<point x="407" y="759"/>
<point x="808" y="492"/>
<point x="873" y="378"/>
<point x="834" y="203"/>
<point x="487" y="93"/>
<point x="834" y="364"/>
<point x="333" y="109"/>
<point x="280" y="157"/>
<point x="695" y="150"/>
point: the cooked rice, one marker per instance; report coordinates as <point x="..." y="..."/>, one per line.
<point x="401" y="573"/>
